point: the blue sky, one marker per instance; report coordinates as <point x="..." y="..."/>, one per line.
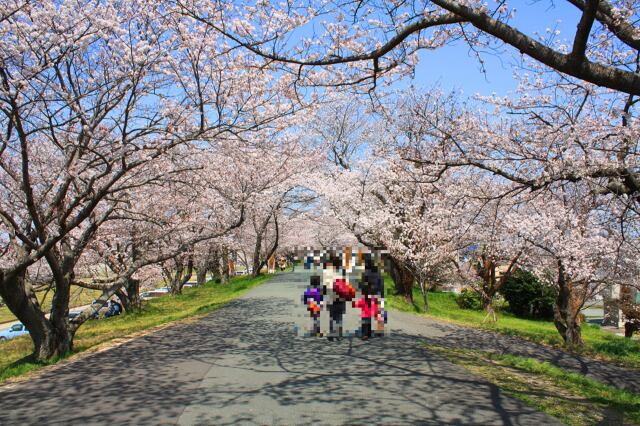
<point x="452" y="67"/>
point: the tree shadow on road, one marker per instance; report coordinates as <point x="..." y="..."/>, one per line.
<point x="450" y="335"/>
<point x="245" y="364"/>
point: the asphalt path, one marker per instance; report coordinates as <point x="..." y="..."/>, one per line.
<point x="247" y="364"/>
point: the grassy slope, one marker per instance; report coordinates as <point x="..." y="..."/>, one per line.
<point x="79" y="297"/>
<point x="573" y="398"/>
<point x="598" y="343"/>
<point x="193" y="301"/>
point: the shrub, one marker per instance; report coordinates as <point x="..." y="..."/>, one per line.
<point x="469" y="299"/>
<point x="527" y="296"/>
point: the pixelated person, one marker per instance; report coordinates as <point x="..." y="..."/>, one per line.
<point x="312" y="259"/>
<point x="373" y="282"/>
<point x="368" y="310"/>
<point x="381" y="318"/>
<point x="312" y="298"/>
<point x="329" y="274"/>
<point x="340" y="292"/>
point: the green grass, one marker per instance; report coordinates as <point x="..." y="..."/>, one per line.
<point x="572" y="398"/>
<point x="79" y="297"/>
<point x="598" y="343"/>
<point x="193" y="301"/>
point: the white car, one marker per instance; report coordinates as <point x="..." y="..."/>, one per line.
<point x="146" y="295"/>
<point x="151" y="294"/>
<point x="14" y="331"/>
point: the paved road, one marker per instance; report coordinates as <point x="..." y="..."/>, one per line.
<point x="244" y="364"/>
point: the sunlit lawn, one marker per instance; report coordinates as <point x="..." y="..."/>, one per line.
<point x="571" y="397"/>
<point x="193" y="301"/>
<point x="79" y="297"/>
<point x="442" y="305"/>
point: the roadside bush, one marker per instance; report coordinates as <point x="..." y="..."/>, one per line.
<point x="528" y="297"/>
<point x="469" y="299"/>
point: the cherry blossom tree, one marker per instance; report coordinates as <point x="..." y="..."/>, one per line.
<point x="277" y="166"/>
<point x="576" y="249"/>
<point x="350" y="184"/>
<point x="564" y="138"/>
<point x="542" y="160"/>
<point x="358" y="42"/>
<point x="419" y="228"/>
<point x="94" y="98"/>
<point x="499" y="251"/>
<point x="78" y="132"/>
<point x="434" y="153"/>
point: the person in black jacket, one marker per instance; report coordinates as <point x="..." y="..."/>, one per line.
<point x="373" y="282"/>
<point x="371" y="277"/>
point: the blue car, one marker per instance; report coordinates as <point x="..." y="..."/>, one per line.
<point x="14" y="331"/>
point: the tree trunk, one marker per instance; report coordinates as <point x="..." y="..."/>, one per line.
<point x="201" y="276"/>
<point x="573" y="334"/>
<point x="566" y="312"/>
<point x="491" y="283"/>
<point x="178" y="279"/>
<point x="133" y="291"/>
<point x="53" y="343"/>
<point x="225" y="265"/>
<point x="20" y="298"/>
<point x="215" y="266"/>
<point x="124" y="299"/>
<point x="204" y="266"/>
<point x="175" y="277"/>
<point x="487" y="271"/>
<point x="487" y="306"/>
<point x="129" y="295"/>
<point x="425" y="296"/>
<point x="57" y="335"/>
<point x="402" y="280"/>
<point x="629" y="329"/>
<point x="188" y="275"/>
<point x="256" y="264"/>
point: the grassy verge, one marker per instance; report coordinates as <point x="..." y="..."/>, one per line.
<point x="193" y="301"/>
<point x="79" y="297"/>
<point x="598" y="343"/>
<point x="572" y="398"/>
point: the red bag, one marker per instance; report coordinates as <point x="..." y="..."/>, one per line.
<point x="344" y="289"/>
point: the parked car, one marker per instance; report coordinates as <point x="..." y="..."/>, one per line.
<point x="73" y="315"/>
<point x="187" y="285"/>
<point x="14" y="331"/>
<point x="146" y="295"/>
